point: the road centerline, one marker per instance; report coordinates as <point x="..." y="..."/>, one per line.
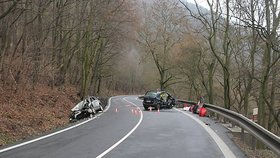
<point x="127" y="135"/>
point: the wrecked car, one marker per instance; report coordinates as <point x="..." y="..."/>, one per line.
<point x="158" y="100"/>
<point x="86" y="109"/>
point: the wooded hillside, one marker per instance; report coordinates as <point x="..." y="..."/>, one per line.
<point x="227" y="52"/>
<point x="63" y="42"/>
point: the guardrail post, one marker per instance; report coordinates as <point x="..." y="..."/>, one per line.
<point x="232" y="124"/>
<point x="242" y="135"/>
<point x="254" y="143"/>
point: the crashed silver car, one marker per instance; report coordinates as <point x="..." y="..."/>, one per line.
<point x="86" y="108"/>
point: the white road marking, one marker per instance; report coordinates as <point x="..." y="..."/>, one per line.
<point x="55" y="133"/>
<point x="109" y="104"/>
<point x="46" y="136"/>
<point x="221" y="144"/>
<point x="126" y="136"/>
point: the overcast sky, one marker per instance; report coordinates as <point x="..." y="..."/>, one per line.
<point x="202" y="3"/>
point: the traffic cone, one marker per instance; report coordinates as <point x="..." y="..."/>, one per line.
<point x="150" y="108"/>
<point x="116" y="109"/>
<point x="135" y="111"/>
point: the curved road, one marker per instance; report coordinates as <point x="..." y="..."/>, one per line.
<point x="125" y="131"/>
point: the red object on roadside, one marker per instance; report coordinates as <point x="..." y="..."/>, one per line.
<point x="202" y="112"/>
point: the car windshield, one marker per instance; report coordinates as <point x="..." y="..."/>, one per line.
<point x="151" y="94"/>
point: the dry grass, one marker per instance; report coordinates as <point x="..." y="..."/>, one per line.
<point x="250" y="153"/>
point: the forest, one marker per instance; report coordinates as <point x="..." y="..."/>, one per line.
<point x="227" y="51"/>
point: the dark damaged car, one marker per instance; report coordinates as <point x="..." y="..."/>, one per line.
<point x="158" y="100"/>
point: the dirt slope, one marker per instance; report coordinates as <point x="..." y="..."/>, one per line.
<point x="26" y="112"/>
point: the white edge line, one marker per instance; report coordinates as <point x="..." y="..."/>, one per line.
<point x="221" y="144"/>
<point x="109" y="104"/>
<point x="44" y="137"/>
<point x="55" y="133"/>
<point x="126" y="136"/>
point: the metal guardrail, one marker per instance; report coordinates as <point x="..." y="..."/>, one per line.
<point x="263" y="135"/>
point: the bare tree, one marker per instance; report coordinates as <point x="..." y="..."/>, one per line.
<point x="211" y="23"/>
<point x="161" y="30"/>
<point x="79" y="37"/>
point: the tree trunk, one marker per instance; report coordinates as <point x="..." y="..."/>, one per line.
<point x="226" y="63"/>
<point x="210" y="82"/>
<point x="37" y="45"/>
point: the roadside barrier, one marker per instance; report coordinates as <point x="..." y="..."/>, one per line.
<point x="268" y="138"/>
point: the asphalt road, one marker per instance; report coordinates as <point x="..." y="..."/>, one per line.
<point x="126" y="131"/>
